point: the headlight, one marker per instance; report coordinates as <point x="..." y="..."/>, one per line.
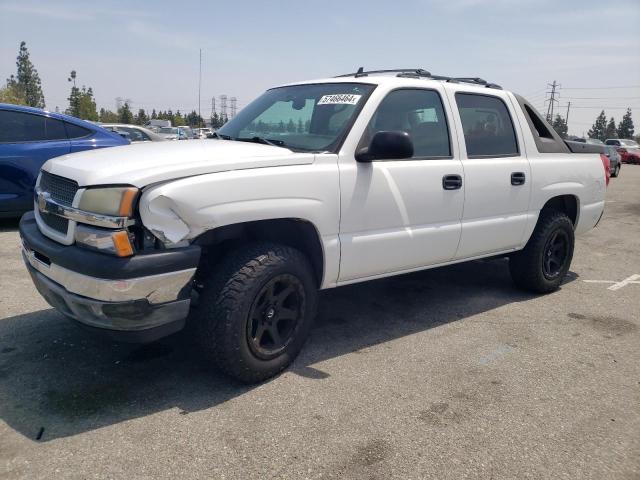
<point x="116" y="201"/>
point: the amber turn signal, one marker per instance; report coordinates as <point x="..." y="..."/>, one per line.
<point x="122" y="244"/>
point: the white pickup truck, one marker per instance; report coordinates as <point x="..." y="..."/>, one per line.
<point x="313" y="185"/>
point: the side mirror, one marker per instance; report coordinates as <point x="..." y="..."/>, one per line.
<point x="393" y="145"/>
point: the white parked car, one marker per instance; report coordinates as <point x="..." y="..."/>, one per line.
<point x="133" y="133"/>
<point x="312" y="186"/>
<point x="173" y="133"/>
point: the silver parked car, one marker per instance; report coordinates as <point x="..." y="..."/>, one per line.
<point x="134" y="133"/>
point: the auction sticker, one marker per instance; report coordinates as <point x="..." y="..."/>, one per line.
<point x="339" y="99"/>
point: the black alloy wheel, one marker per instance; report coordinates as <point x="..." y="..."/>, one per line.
<point x="555" y="254"/>
<point x="274" y="316"/>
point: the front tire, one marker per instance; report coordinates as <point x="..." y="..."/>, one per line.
<point x="543" y="263"/>
<point x="256" y="310"/>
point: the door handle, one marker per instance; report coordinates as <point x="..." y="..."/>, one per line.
<point x="452" y="182"/>
<point x="517" y="178"/>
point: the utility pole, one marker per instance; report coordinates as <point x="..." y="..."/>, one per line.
<point x="223" y="106"/>
<point x="234" y="106"/>
<point x="552" y="100"/>
<point x="566" y="120"/>
<point x="199" y="86"/>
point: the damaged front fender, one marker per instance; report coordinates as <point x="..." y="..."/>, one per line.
<point x="161" y="216"/>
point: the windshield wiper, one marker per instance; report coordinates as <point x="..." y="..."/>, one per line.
<point x="222" y="136"/>
<point x="264" y="141"/>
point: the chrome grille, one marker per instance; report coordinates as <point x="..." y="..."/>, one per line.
<point x="61" y="189"/>
<point x="59" y="224"/>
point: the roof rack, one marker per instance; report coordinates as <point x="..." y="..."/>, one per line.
<point x="421" y="73"/>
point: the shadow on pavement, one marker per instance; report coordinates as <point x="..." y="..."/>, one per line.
<point x="9" y="224"/>
<point x="56" y="376"/>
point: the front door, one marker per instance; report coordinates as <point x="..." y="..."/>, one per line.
<point x="399" y="215"/>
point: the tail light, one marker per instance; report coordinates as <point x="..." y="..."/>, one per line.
<point x="606" y="163"/>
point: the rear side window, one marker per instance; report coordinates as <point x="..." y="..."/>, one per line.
<point x="55" y="129"/>
<point x="488" y="129"/>
<point x="17" y="127"/>
<point x="419" y="113"/>
<point x="74" y="131"/>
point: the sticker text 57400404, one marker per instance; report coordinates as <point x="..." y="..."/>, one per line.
<point x="339" y="99"/>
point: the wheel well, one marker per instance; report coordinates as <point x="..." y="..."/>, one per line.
<point x="297" y="233"/>
<point x="564" y="203"/>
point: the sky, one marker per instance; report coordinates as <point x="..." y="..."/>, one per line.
<point x="149" y="51"/>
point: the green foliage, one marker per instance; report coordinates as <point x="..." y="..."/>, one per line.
<point x="610" y="131"/>
<point x="124" y="114"/>
<point x="141" y="118"/>
<point x="218" y="121"/>
<point x="560" y="126"/>
<point x="81" y="102"/>
<point x="107" y="116"/>
<point x="599" y="127"/>
<point x="625" y="127"/>
<point x="12" y="94"/>
<point x="26" y="83"/>
<point x="194" y="120"/>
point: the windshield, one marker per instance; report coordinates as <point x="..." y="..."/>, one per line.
<point x="629" y="143"/>
<point x="168" y="130"/>
<point x="300" y="117"/>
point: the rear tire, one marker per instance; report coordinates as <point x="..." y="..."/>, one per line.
<point x="543" y="263"/>
<point x="255" y="310"/>
<point x="616" y="171"/>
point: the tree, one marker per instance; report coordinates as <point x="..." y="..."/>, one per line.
<point x="626" y="128"/>
<point x="599" y="127"/>
<point x="610" y="131"/>
<point x="560" y="126"/>
<point x="81" y="102"/>
<point x="27" y="81"/>
<point x="107" y="116"/>
<point x="124" y="114"/>
<point x="300" y="126"/>
<point x="154" y="115"/>
<point x="194" y="120"/>
<point x="141" y="118"/>
<point x="178" y="119"/>
<point x="291" y="127"/>
<point x="11" y="94"/>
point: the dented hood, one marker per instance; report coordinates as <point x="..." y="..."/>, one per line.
<point x="143" y="164"/>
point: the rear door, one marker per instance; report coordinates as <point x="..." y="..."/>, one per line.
<point x="27" y="140"/>
<point x="497" y="173"/>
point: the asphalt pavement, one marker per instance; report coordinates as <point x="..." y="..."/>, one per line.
<point x="444" y="374"/>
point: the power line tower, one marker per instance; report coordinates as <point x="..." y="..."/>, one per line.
<point x="234" y="106"/>
<point x="213" y="106"/>
<point x="552" y="99"/>
<point x="223" y="106"/>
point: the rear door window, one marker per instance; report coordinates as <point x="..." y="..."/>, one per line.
<point x="55" y="129"/>
<point x="487" y="126"/>
<point x="75" y="131"/>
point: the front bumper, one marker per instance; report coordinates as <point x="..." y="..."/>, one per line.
<point x="139" y="299"/>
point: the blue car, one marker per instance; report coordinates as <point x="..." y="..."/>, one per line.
<point x="28" y="138"/>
